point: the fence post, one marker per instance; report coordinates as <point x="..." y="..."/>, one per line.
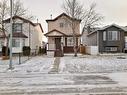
<point x="19" y="58"/>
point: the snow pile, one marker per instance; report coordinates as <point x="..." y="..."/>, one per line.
<point x="92" y="64"/>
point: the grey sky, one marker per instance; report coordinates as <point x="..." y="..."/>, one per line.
<point x="114" y="11"/>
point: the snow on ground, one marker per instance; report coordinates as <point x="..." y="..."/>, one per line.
<point x="32" y="77"/>
<point x="87" y="63"/>
<point x="120" y="77"/>
<point x="34" y="64"/>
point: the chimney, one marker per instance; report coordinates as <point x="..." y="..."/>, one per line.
<point x="37" y="20"/>
<point x="51" y="16"/>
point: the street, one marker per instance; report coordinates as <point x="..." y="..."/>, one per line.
<point x="46" y="77"/>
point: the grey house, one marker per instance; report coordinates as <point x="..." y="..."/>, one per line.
<point x="111" y="38"/>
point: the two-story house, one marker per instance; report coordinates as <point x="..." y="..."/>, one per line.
<point x="25" y="33"/>
<point x="111" y="38"/>
<point x="60" y="35"/>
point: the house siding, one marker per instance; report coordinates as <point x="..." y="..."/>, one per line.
<point x="66" y="29"/>
<point x="34" y="33"/>
<point x="89" y="40"/>
<point x="119" y="43"/>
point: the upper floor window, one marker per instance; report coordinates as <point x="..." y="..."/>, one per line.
<point x="113" y="35"/>
<point x="104" y="36"/>
<point x="61" y="25"/>
<point x="17" y="27"/>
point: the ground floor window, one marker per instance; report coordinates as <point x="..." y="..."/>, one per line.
<point x="23" y="43"/>
<point x="70" y="41"/>
<point x="1" y="43"/>
<point x="113" y="49"/>
<point x="15" y="42"/>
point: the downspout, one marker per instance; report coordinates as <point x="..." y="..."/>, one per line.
<point x="98" y="40"/>
<point x="29" y="36"/>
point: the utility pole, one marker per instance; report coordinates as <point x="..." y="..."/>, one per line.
<point x="11" y="22"/>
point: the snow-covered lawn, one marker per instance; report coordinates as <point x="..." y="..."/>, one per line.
<point x="87" y="63"/>
<point x="33" y="78"/>
<point x="34" y="64"/>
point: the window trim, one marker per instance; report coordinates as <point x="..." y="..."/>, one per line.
<point x="113" y="35"/>
<point x="111" y="49"/>
<point x="104" y="36"/>
<point x="61" y="25"/>
<point x="14" y="44"/>
<point x="16" y="29"/>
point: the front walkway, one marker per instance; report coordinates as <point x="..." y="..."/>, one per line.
<point x="55" y="67"/>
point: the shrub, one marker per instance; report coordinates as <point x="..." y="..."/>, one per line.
<point x="26" y="50"/>
<point x="42" y="50"/>
<point x="4" y="48"/>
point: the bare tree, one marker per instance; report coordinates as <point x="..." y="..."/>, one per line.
<point x="19" y="10"/>
<point x="75" y="10"/>
<point x="91" y="17"/>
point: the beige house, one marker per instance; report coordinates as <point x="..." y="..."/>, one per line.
<point x="60" y="35"/>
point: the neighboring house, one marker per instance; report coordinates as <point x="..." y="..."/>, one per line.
<point x="111" y="38"/>
<point x="60" y="35"/>
<point x="25" y="33"/>
<point x="2" y="39"/>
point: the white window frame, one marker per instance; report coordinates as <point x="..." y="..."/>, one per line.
<point x="15" y="42"/>
<point x="113" y="49"/>
<point x="104" y="36"/>
<point x="70" y="41"/>
<point x="113" y="35"/>
<point x="61" y="25"/>
<point x="16" y="27"/>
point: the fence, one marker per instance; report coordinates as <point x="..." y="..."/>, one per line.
<point x="19" y="58"/>
<point x="92" y="50"/>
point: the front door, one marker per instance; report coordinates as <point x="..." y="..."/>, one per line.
<point x="58" y="43"/>
<point x="58" y="51"/>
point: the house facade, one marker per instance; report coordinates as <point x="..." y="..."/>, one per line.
<point x="111" y="38"/>
<point x="60" y="35"/>
<point x="25" y="33"/>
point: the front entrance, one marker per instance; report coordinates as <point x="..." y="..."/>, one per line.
<point x="58" y="49"/>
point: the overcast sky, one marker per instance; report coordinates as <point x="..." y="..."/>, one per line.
<point x="114" y="11"/>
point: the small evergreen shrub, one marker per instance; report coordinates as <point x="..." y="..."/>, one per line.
<point x="26" y="50"/>
<point x="4" y="48"/>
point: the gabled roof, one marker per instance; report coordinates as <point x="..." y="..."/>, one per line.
<point x="54" y="30"/>
<point x="21" y="18"/>
<point x="39" y="25"/>
<point x="63" y="14"/>
<point x="105" y="27"/>
<point x="115" y="25"/>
